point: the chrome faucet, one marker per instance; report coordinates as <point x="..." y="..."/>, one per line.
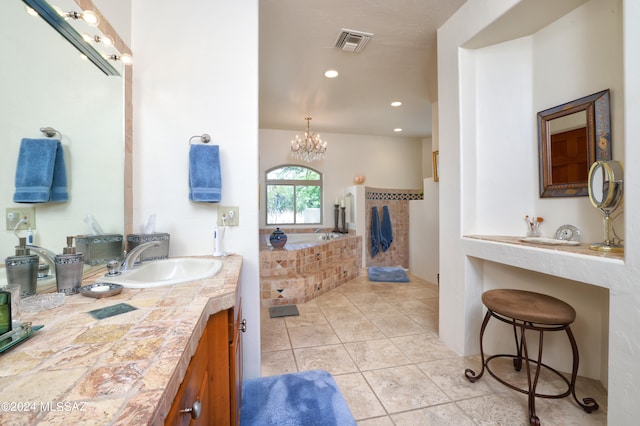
<point x="327" y="234"/>
<point x="46" y="254"/>
<point x="132" y="257"/>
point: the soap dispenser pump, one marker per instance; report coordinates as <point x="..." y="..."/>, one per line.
<point x="22" y="268"/>
<point x="69" y="267"/>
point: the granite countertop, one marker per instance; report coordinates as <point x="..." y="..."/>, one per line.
<point x="122" y="370"/>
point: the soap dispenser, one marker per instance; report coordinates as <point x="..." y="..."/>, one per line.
<point x="22" y="269"/>
<point x="69" y="267"/>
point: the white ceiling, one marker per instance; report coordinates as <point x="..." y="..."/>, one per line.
<point x="297" y="40"/>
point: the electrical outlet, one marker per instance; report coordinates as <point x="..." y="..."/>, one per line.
<point x="15" y="214"/>
<point x="228" y="216"/>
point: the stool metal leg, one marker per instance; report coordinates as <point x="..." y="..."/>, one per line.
<point x="534" y="420"/>
<point x="469" y="373"/>
<point x="590" y="404"/>
<point x="517" y="360"/>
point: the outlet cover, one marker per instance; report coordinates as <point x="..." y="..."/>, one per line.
<point x="14" y="215"/>
<point x="231" y="215"/>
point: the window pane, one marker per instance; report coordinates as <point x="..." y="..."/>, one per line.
<point x="308" y="204"/>
<point x="293" y="173"/>
<point x="280" y="204"/>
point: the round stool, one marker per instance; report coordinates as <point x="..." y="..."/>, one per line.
<point x="526" y="310"/>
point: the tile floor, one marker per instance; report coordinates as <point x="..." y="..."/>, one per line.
<point x="380" y="342"/>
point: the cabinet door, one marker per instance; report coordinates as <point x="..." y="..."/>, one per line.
<point x="219" y="379"/>
<point x="235" y="365"/>
<point x="194" y="388"/>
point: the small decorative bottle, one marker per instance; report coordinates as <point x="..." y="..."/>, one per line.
<point x="278" y="239"/>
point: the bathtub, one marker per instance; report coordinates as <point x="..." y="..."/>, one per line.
<point x="305" y="238"/>
<point x="307" y="266"/>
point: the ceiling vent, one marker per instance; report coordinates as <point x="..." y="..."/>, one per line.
<point x="352" y="41"/>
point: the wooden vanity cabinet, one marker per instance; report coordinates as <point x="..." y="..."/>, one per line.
<point x="214" y="375"/>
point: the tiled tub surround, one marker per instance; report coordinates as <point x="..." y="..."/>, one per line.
<point x="397" y="200"/>
<point x="122" y="370"/>
<point x="299" y="272"/>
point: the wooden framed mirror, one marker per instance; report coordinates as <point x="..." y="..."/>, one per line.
<point x="571" y="137"/>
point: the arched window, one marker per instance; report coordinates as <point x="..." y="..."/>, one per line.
<point x="294" y="195"/>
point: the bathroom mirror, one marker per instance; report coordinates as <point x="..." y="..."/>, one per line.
<point x="46" y="82"/>
<point x="571" y="137"/>
<point x="606" y="187"/>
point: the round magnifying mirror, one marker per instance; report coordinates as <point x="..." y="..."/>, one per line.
<point x="605" y="184"/>
<point x="605" y="192"/>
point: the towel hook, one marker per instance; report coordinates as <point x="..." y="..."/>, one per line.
<point x="50" y="132"/>
<point x="204" y="138"/>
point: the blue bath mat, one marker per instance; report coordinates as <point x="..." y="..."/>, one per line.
<point x="307" y="398"/>
<point x="388" y="274"/>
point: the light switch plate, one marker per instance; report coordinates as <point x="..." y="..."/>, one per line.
<point x="15" y="214"/>
<point x="231" y="215"/>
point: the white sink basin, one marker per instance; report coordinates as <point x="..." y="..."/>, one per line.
<point x="166" y="272"/>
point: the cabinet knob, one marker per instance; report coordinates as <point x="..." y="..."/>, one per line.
<point x="195" y="410"/>
<point x="243" y="325"/>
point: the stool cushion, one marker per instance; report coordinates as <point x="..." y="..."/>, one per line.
<point x="529" y="306"/>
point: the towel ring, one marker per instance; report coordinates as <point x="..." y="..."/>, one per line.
<point x="50" y="132"/>
<point x="204" y="138"/>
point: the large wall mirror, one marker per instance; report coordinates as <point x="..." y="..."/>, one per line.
<point x="46" y="82"/>
<point x="571" y="137"/>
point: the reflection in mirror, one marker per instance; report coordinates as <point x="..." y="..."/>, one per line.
<point x="606" y="179"/>
<point x="571" y="137"/>
<point x="48" y="84"/>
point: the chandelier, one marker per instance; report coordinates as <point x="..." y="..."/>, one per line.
<point x="308" y="147"/>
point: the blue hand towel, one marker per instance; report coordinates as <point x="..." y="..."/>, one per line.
<point x="205" y="182"/>
<point x="59" y="184"/>
<point x="386" y="232"/>
<point x="40" y="173"/>
<point x="375" y="231"/>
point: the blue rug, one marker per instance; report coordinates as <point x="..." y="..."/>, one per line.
<point x="388" y="274"/>
<point x="307" y="398"/>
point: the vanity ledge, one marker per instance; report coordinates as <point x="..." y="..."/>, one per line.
<point x="581" y="249"/>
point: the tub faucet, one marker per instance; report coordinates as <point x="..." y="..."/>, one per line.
<point x="327" y="234"/>
<point x="45" y="254"/>
<point x="132" y="257"/>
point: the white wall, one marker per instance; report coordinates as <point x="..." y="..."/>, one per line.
<point x="393" y="163"/>
<point x="466" y="206"/>
<point x="424" y="258"/>
<point x="189" y="79"/>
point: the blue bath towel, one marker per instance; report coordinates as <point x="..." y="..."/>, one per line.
<point x="375" y="231"/>
<point x="386" y="232"/>
<point x="205" y="182"/>
<point x="41" y="174"/>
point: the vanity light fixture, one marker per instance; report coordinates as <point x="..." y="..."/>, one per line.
<point x="106" y="40"/>
<point x="88" y="16"/>
<point x="125" y="58"/>
<point x="58" y="21"/>
<point x="308" y="147"/>
<point x="331" y="73"/>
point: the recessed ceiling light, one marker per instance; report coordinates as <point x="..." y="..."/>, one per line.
<point x="397" y="129"/>
<point x="396" y="103"/>
<point x="331" y="73"/>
